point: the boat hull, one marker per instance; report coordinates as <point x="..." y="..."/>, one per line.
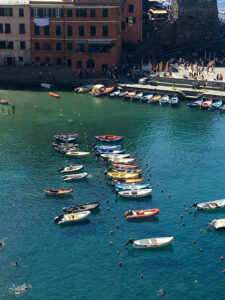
<point x="153" y="242"/>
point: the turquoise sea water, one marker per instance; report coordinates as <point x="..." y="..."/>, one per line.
<point x="184" y="150"/>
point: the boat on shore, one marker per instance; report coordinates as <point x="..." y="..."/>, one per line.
<point x="54" y="95"/>
<point x="210" y="205"/>
<point x="218" y="224"/>
<point x="206" y="103"/>
<point x="58" y="192"/>
<point x="82" y="207"/>
<point x="151" y="242"/>
<point x="70" y="169"/>
<point x="72" y="218"/>
<point x="109" y="138"/>
<point x="75" y="177"/>
<point x="135" y="193"/>
<point x="141" y="214"/>
<point x="83" y="89"/>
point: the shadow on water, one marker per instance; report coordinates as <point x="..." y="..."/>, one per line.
<point x="144" y="199"/>
<point x="144" y="220"/>
<point x="166" y="248"/>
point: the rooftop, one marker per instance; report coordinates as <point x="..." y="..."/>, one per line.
<point x="14" y="2"/>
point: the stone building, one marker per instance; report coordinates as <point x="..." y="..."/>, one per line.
<point x="14" y="32"/>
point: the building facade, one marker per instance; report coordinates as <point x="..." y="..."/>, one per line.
<point x="15" y="32"/>
<point x="83" y="34"/>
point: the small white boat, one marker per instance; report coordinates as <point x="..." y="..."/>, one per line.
<point x="112" y="156"/>
<point x="72" y="218"/>
<point x="164" y="100"/>
<point x="122" y="160"/>
<point x="116" y="93"/>
<point x="83" y="89"/>
<point x="47" y="85"/>
<point x="71" y="169"/>
<point x="123" y="93"/>
<point x="152" y="242"/>
<point x="146" y="98"/>
<point x="173" y="100"/>
<point x="77" y="153"/>
<point x="75" y="177"/>
<point x="211" y="205"/>
<point x="218" y="224"/>
<point x="137" y="97"/>
<point x="135" y="193"/>
<point x="108" y="147"/>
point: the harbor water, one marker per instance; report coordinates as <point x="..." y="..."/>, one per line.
<point x="182" y="149"/>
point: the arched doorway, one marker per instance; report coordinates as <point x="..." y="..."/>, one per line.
<point x="90" y="64"/>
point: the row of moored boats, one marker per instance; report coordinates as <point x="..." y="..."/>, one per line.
<point x="208" y="104"/>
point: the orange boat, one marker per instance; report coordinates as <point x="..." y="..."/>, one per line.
<point x="129" y="180"/>
<point x="53" y="94"/>
<point x="141" y="214"/>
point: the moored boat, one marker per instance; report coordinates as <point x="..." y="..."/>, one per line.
<point x="125" y="166"/>
<point x="66" y="137"/>
<point x="116" y="175"/>
<point x="122" y="160"/>
<point x="127" y="171"/>
<point x="72" y="218"/>
<point x="105" y="147"/>
<point x="218" y="224"/>
<point x="132" y="186"/>
<point x="222" y="108"/>
<point x="130" y="180"/>
<point x="83" y="89"/>
<point x="110" y="151"/>
<point x="77" y="153"/>
<point x="104" y="91"/>
<point x="96" y="88"/>
<point x="135" y="193"/>
<point x="58" y="192"/>
<point x="4" y="101"/>
<point x="129" y="95"/>
<point x="141" y="214"/>
<point x="115" y="93"/>
<point x="210" y="205"/>
<point x="173" y="100"/>
<point x="70" y="169"/>
<point x="109" y="138"/>
<point x="146" y="98"/>
<point x="195" y="103"/>
<point x="206" y="103"/>
<point x="75" y="177"/>
<point x="151" y="242"/>
<point x="114" y="156"/>
<point x="154" y="99"/>
<point x="82" y="207"/>
<point x="47" y="85"/>
<point x="164" y="100"/>
<point x="54" y="95"/>
<point x="137" y="97"/>
<point x="123" y="93"/>
<point x="216" y="105"/>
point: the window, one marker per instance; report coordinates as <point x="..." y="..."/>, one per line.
<point x="6" y="12"/>
<point x="22" y="45"/>
<point x="35" y="12"/>
<point x="69" y="13"/>
<point x="2" y="45"/>
<point x="79" y="64"/>
<point x="69" y="62"/>
<point x="21" y="12"/>
<point x="81" y="13"/>
<point x="59" y="46"/>
<point x="21" y="59"/>
<point x="47" y="46"/>
<point x="93" y="31"/>
<point x="58" y="30"/>
<point x="58" y="13"/>
<point x="40" y="12"/>
<point x="58" y="60"/>
<point x="7" y="28"/>
<point x="46" y="12"/>
<point x="1" y="28"/>
<point x="131" y="8"/>
<point x="92" y="13"/>
<point x="10" y="45"/>
<point x="81" y="30"/>
<point x="36" y="30"/>
<point x="46" y="30"/>
<point x="69" y="46"/>
<point x="105" y="30"/>
<point x="21" y="28"/>
<point x="123" y="25"/>
<point x="37" y="59"/>
<point x="105" y="13"/>
<point x="37" y="46"/>
<point x="69" y="30"/>
<point x="90" y="64"/>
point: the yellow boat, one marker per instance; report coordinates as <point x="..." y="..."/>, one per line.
<point x="58" y="192"/>
<point x="122" y="175"/>
<point x="131" y="180"/>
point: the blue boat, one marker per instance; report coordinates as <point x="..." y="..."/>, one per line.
<point x="110" y="151"/>
<point x="216" y="105"/>
<point x="132" y="186"/>
<point x="127" y="171"/>
<point x="195" y="103"/>
<point x="113" y="147"/>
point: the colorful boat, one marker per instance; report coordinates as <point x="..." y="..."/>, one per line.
<point x="104" y="91"/>
<point x="195" y="103"/>
<point x="4" y="101"/>
<point x="72" y="218"/>
<point x="127" y="171"/>
<point x="66" y="137"/>
<point x="117" y="175"/>
<point x="96" y="88"/>
<point x="141" y="214"/>
<point x="58" y="192"/>
<point x="83" y="89"/>
<point x="151" y="242"/>
<point x="216" y="105"/>
<point x="111" y="151"/>
<point x="129" y="95"/>
<point x="54" y="95"/>
<point x="154" y="99"/>
<point x="206" y="103"/>
<point x="135" y="193"/>
<point x="82" y="207"/>
<point x="130" y="180"/>
<point x="125" y="166"/>
<point x="109" y="138"/>
<point x="122" y="160"/>
<point x="132" y="186"/>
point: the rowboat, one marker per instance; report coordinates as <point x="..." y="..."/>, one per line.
<point x="164" y="100"/>
<point x="132" y="186"/>
<point x="63" y="145"/>
<point x="173" y="100"/>
<point x="127" y="171"/>
<point x="47" y="85"/>
<point x="206" y="103"/>
<point x="123" y="93"/>
<point x="53" y="94"/>
<point x="154" y="99"/>
<point x="104" y="91"/>
<point x="216" y="105"/>
<point x="96" y="88"/>
<point x="125" y="166"/>
<point x="83" y="89"/>
<point x="210" y="205"/>
<point x="70" y="169"/>
<point x="4" y="101"/>
<point x="72" y="218"/>
<point x="112" y="147"/>
<point x="77" y="153"/>
<point x="66" y="137"/>
<point x="130" y="180"/>
<point x="110" y="151"/>
<point x="114" y="156"/>
<point x="135" y="193"/>
<point x="137" y="97"/>
<point x="58" y="192"/>
<point x="109" y="138"/>
<point x="66" y="149"/>
<point x="115" y="93"/>
<point x="141" y="214"/>
<point x="122" y="160"/>
<point x="146" y="98"/>
<point x="122" y="175"/>
<point x="218" y="224"/>
<point x="195" y="103"/>
<point x="151" y="242"/>
<point x="75" y="177"/>
<point x="82" y="207"/>
<point x="129" y="95"/>
<point x="222" y="108"/>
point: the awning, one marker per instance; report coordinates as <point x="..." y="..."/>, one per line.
<point x="99" y="41"/>
<point x="158" y="11"/>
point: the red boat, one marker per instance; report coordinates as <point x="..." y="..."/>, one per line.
<point x="129" y="95"/>
<point x="125" y="166"/>
<point x="109" y="138"/>
<point x="4" y="101"/>
<point x="141" y="214"/>
<point x="206" y="103"/>
<point x="104" y="91"/>
<point x="53" y="94"/>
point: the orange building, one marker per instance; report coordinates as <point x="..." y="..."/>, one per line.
<point x="83" y="34"/>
